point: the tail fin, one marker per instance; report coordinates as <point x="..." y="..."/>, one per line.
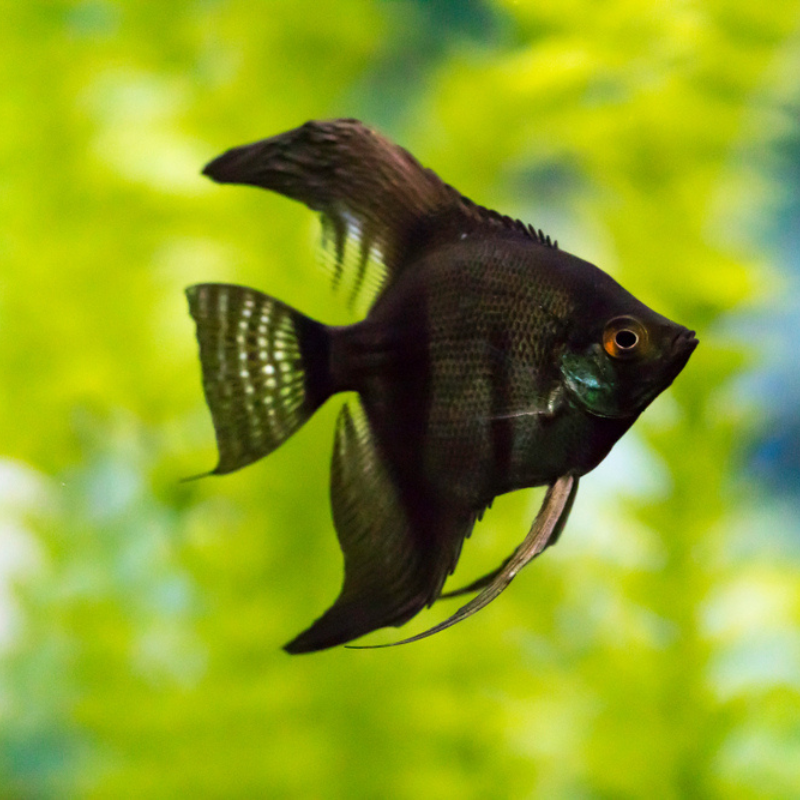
<point x="265" y="369"/>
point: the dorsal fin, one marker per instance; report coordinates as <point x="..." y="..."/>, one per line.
<point x="379" y="205"/>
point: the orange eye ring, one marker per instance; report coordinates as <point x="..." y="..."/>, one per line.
<point x="624" y="337"/>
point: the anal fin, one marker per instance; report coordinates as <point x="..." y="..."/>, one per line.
<point x="395" y="558"/>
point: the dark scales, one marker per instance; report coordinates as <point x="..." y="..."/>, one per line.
<point x="479" y="369"/>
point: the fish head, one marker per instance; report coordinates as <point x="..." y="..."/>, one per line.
<point x="618" y="364"/>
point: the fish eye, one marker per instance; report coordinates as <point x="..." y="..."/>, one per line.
<point x="624" y="337"/>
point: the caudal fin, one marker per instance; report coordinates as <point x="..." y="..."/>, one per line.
<point x="265" y="369"/>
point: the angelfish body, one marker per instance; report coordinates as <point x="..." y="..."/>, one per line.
<point x="489" y="361"/>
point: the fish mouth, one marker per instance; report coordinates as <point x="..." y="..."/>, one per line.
<point x="684" y="343"/>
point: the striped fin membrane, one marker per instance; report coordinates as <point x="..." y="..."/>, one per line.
<point x="352" y="255"/>
<point x="253" y="353"/>
<point x="394" y="563"/>
<point x="379" y="553"/>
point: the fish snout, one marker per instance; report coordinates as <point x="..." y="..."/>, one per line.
<point x="684" y="342"/>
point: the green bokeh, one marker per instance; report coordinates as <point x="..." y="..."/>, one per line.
<point x="653" y="653"/>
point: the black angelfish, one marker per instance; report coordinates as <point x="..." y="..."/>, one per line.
<point x="489" y="361"/>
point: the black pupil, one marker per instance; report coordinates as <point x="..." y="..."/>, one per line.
<point x="625" y="339"/>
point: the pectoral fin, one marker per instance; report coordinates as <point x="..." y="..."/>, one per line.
<point x="546" y="528"/>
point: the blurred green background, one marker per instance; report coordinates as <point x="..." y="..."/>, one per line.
<point x="654" y="653"/>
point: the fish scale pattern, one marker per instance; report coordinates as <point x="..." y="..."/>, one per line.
<point x="493" y="325"/>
